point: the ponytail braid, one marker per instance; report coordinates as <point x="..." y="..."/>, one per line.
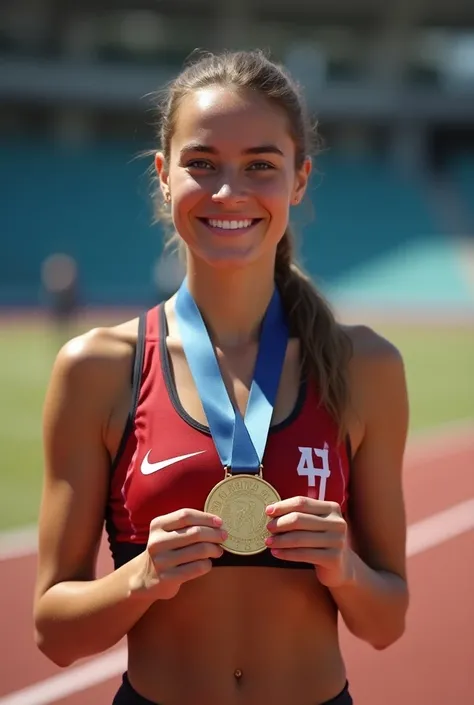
<point x="325" y="348"/>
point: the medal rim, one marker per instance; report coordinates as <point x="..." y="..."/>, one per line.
<point x="227" y="480"/>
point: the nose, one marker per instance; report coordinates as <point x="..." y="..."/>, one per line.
<point x="229" y="192"/>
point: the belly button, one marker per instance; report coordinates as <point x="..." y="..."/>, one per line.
<point x="237" y="673"/>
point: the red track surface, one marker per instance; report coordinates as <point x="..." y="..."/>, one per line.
<point x="433" y="664"/>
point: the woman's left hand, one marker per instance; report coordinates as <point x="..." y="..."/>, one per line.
<point x="312" y="531"/>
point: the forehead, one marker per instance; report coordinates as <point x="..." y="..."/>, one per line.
<point x="228" y="117"/>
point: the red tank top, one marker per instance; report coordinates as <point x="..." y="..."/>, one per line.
<point x="167" y="460"/>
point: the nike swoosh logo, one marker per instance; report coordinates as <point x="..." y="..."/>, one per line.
<point x="148" y="468"/>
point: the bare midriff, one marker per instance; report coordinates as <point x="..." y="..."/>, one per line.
<point x="240" y="635"/>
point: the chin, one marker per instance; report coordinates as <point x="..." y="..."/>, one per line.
<point x="228" y="263"/>
<point x="228" y="259"/>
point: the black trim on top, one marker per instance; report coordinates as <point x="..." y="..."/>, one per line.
<point x="124" y="552"/>
<point x="135" y="381"/>
<point x="173" y="394"/>
<point x="348" y="445"/>
<point x="136" y="378"/>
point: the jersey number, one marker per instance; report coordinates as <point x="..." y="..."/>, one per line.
<point x="307" y="469"/>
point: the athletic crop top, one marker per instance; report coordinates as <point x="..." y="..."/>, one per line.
<point x="167" y="460"/>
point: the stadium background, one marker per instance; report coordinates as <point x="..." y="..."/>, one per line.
<point x="387" y="230"/>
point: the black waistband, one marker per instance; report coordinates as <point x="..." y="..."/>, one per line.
<point x="127" y="695"/>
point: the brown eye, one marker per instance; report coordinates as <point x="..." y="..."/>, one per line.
<point x="199" y="164"/>
<point x="261" y="166"/>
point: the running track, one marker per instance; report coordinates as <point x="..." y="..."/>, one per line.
<point x="431" y="665"/>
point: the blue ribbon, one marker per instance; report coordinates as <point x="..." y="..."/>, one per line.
<point x="240" y="442"/>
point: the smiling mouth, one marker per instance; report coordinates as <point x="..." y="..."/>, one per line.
<point x="238" y="225"/>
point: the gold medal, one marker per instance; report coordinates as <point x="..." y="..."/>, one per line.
<point x="240" y="501"/>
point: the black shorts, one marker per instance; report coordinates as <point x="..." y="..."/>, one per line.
<point x="126" y="695"/>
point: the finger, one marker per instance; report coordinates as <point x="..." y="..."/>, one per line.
<point x="315" y="556"/>
<point x="168" y="540"/>
<point x="305" y="539"/>
<point x="187" y="571"/>
<point x="297" y="521"/>
<point x="196" y="552"/>
<point x="333" y="523"/>
<point x="185" y="517"/>
<point x="306" y="505"/>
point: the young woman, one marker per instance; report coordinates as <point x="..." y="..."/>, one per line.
<point x="228" y="592"/>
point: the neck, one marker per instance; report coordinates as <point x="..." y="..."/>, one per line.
<point x="232" y="302"/>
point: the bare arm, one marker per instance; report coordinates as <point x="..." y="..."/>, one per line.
<point x="374" y="602"/>
<point x="75" y="614"/>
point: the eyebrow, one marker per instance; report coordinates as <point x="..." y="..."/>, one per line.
<point x="206" y="149"/>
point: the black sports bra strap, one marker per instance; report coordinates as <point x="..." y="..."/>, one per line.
<point x="138" y="356"/>
<point x="135" y="381"/>
<point x="348" y="448"/>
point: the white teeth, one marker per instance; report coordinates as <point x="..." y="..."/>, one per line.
<point x="230" y="224"/>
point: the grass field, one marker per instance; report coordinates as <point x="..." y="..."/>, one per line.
<point x="439" y="364"/>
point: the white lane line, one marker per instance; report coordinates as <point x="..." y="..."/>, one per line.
<point x="18" y="542"/>
<point x="422" y="535"/>
<point x="438" y="528"/>
<point x="74" y="680"/>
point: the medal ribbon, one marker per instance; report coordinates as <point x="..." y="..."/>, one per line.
<point x="240" y="442"/>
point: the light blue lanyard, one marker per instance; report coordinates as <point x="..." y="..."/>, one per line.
<point x="240" y="442"/>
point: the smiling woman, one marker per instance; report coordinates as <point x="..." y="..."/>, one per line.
<point x="250" y="474"/>
<point x="253" y="179"/>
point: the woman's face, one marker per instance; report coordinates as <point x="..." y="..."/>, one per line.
<point x="231" y="175"/>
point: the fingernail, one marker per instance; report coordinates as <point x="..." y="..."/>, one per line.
<point x="269" y="540"/>
<point x="270" y="509"/>
<point x="217" y="521"/>
<point x="224" y="534"/>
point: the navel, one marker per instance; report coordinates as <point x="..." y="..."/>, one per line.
<point x="238" y="674"/>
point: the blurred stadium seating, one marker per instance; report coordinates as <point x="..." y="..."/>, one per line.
<point x="387" y="222"/>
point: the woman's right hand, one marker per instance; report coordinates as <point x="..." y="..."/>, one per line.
<point x="180" y="547"/>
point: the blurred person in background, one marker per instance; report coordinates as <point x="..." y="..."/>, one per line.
<point x="244" y="447"/>
<point x="59" y="278"/>
<point x="167" y="275"/>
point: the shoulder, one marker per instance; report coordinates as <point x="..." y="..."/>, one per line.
<point x="99" y="347"/>
<point x="377" y="381"/>
<point x="98" y="359"/>
<point x="371" y="350"/>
